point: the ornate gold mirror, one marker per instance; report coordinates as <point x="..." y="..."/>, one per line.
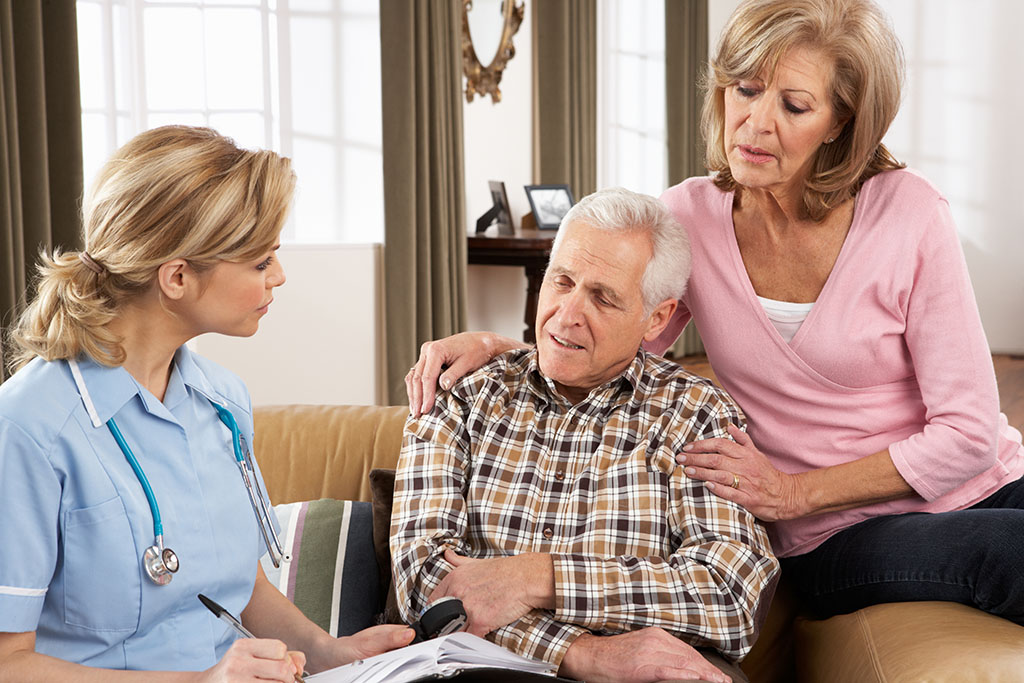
<point x="487" y="30"/>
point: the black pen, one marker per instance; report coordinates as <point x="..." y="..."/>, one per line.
<point x="234" y="623"/>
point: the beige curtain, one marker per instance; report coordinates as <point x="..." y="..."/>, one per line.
<point x="565" y="93"/>
<point x="686" y="56"/>
<point x="40" y="142"/>
<point x="424" y="203"/>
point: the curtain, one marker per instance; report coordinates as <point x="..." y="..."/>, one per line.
<point x="424" y="203"/>
<point x="40" y="142"/>
<point x="565" y="94"/>
<point x="686" y="56"/>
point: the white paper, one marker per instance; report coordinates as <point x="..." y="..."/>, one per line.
<point x="444" y="656"/>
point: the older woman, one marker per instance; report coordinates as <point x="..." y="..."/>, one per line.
<point x="832" y="296"/>
<point x="114" y="436"/>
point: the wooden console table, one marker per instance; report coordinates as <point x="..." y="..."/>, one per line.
<point x="529" y="248"/>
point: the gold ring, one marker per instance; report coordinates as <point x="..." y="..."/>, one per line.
<point x="735" y="481"/>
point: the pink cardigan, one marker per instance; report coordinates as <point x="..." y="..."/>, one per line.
<point x="892" y="355"/>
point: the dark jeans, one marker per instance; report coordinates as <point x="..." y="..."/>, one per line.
<point x="973" y="556"/>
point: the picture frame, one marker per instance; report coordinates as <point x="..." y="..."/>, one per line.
<point x="549" y="204"/>
<point x="499" y="213"/>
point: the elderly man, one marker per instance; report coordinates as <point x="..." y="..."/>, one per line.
<point x="543" y="491"/>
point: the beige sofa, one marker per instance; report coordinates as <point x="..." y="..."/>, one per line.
<point x="313" y="452"/>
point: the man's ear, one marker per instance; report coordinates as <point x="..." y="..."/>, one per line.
<point x="659" y="318"/>
<point x="174" y="277"/>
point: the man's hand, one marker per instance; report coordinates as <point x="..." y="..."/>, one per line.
<point x="644" y="656"/>
<point x="497" y="591"/>
<point x="372" y="641"/>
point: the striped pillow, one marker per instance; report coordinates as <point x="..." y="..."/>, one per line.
<point x="333" y="576"/>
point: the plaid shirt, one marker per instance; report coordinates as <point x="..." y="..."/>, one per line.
<point x="505" y="465"/>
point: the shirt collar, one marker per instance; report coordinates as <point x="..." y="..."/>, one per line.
<point x="110" y="388"/>
<point x="617" y="390"/>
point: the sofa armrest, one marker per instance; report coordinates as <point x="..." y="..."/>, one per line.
<point x="307" y="452"/>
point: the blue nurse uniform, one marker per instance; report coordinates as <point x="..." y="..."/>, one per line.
<point x="74" y="520"/>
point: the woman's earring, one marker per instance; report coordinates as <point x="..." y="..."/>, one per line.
<point x="830" y="141"/>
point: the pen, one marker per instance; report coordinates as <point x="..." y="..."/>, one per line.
<point x="233" y="622"/>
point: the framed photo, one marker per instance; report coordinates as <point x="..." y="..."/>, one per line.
<point x="549" y="203"/>
<point x="499" y="212"/>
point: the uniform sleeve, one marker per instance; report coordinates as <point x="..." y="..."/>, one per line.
<point x="29" y="509"/>
<point x="429" y="511"/>
<point x="953" y="367"/>
<point x="712" y="591"/>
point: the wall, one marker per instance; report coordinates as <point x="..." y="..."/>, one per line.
<point x="319" y="341"/>
<point x="498" y="146"/>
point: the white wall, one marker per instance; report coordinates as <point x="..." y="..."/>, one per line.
<point x="498" y="144"/>
<point x="319" y="341"/>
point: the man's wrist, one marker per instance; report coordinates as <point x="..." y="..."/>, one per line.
<point x="575" y="656"/>
<point x="540" y="574"/>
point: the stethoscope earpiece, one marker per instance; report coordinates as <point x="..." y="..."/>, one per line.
<point x="160" y="564"/>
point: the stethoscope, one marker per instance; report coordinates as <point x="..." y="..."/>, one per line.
<point x="162" y="563"/>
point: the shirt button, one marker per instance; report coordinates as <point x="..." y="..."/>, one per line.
<point x="549" y="532"/>
<point x="559" y="475"/>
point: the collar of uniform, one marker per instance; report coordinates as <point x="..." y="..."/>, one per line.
<point x="111" y="388"/>
<point x="617" y="390"/>
<point x="191" y="376"/>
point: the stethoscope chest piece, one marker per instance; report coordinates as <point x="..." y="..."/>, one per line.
<point x="160" y="564"/>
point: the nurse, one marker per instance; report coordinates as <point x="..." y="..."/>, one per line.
<point x="181" y="228"/>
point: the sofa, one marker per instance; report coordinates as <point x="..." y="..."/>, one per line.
<point x="327" y="454"/>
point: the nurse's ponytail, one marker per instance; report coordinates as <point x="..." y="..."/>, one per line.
<point x="170" y="192"/>
<point x="69" y="313"/>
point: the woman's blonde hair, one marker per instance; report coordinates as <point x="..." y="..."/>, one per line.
<point x="867" y="79"/>
<point x="171" y="192"/>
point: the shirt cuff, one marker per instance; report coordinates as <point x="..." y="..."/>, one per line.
<point x="20" y="609"/>
<point x="539" y="636"/>
<point x="580" y="590"/>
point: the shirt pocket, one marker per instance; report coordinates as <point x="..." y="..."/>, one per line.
<point x="102" y="590"/>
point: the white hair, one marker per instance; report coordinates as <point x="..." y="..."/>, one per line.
<point x="620" y="210"/>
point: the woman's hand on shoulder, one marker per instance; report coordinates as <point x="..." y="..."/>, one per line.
<point x="446" y="360"/>
<point x="736" y="470"/>
<point x="374" y="641"/>
<point x="256" y="659"/>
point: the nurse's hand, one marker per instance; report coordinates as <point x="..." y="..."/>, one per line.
<point x="446" y="360"/>
<point x="373" y="641"/>
<point x="256" y="659"/>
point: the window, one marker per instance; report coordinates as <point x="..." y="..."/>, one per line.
<point x="301" y="77"/>
<point x="632" y="149"/>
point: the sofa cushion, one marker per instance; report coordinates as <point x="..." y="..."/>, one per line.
<point x="311" y="452"/>
<point x="907" y="642"/>
<point x="333" y="575"/>
<point x="382" y="490"/>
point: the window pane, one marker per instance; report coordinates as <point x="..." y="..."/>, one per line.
<point x="92" y="79"/>
<point x="316" y="217"/>
<point x="360" y="87"/>
<point x="94" y="145"/>
<point x="124" y="65"/>
<point x="246" y="129"/>
<point x="174" y="52"/>
<point x="156" y="119"/>
<point x="313" y="77"/>
<point x="234" y="59"/>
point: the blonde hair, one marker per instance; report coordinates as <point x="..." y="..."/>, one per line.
<point x="170" y="192"/>
<point x="867" y="79"/>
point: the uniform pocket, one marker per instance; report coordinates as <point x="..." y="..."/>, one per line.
<point x="101" y="569"/>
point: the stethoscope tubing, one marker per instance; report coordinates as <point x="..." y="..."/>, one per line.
<point x="158" y="527"/>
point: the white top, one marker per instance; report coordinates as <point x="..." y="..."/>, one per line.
<point x="786" y="316"/>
